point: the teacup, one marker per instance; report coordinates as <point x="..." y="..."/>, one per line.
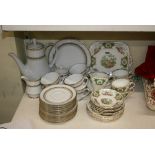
<point x="75" y="80"/>
<point x="124" y="86"/>
<point x="50" y="79"/>
<point x="99" y="80"/>
<point x="78" y="69"/>
<point x="82" y="87"/>
<point x="120" y="73"/>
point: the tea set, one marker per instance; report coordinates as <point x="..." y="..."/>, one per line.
<point x="106" y="80"/>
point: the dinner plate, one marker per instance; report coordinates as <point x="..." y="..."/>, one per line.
<point x="69" y="52"/>
<point x="109" y="56"/>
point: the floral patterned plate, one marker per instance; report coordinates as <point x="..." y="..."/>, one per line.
<point x="109" y="56"/>
<point x="107" y="98"/>
<point x="104" y="118"/>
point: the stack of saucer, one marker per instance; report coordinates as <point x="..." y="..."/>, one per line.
<point x="78" y="82"/>
<point x="57" y="103"/>
<point x="106" y="105"/>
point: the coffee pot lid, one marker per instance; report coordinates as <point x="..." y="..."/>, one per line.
<point x="34" y="45"/>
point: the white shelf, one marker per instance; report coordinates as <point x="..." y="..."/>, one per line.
<point x="117" y="28"/>
<point x="136" y="115"/>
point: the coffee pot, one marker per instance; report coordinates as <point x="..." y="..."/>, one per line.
<point x="36" y="65"/>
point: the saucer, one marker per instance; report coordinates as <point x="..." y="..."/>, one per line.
<point x="102" y="117"/>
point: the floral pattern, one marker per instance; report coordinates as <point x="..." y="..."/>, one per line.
<point x="118" y="97"/>
<point x="108" y="45"/>
<point x="96" y="50"/>
<point x="120" y="50"/>
<point x="99" y="81"/>
<point x="108" y="56"/>
<point x="96" y="94"/>
<point x="124" y="61"/>
<point x="93" y="61"/>
<point x="106" y="101"/>
<point x="108" y="61"/>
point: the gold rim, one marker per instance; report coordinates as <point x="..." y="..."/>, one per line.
<point x="72" y="90"/>
<point x="57" y="119"/>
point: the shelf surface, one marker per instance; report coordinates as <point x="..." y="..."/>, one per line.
<point x="136" y="115"/>
<point x="117" y="28"/>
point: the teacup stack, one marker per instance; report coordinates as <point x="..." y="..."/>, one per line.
<point x="106" y="105"/>
<point x="78" y="82"/>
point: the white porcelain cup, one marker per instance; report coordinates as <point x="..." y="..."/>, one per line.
<point x="74" y="80"/>
<point x="99" y="80"/>
<point x="124" y="86"/>
<point x="50" y="79"/>
<point x="78" y="69"/>
<point x="120" y="73"/>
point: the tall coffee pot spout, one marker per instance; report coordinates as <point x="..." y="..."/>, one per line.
<point x="23" y="68"/>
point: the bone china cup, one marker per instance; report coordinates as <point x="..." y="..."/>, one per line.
<point x="75" y="80"/>
<point x="120" y="73"/>
<point x="99" y="80"/>
<point x="50" y="79"/>
<point x="124" y="86"/>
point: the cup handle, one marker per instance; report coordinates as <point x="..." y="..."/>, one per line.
<point x="131" y="86"/>
<point x="86" y="80"/>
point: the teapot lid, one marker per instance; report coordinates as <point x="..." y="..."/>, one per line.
<point x="35" y="45"/>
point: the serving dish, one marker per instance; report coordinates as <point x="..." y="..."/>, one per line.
<point x="69" y="52"/>
<point x="109" y="56"/>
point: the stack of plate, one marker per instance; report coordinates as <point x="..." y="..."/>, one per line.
<point x="58" y="103"/>
<point x="106" y="105"/>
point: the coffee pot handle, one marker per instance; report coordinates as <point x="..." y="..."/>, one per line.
<point x="47" y="52"/>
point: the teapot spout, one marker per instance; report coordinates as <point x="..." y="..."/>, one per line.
<point x="23" y="68"/>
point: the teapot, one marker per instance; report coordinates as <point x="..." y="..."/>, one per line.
<point x="36" y="65"/>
